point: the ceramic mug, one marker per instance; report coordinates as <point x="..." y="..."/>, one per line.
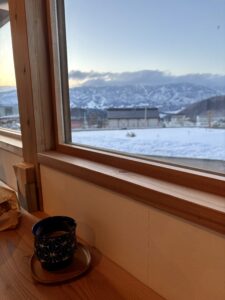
<point x="55" y="241"/>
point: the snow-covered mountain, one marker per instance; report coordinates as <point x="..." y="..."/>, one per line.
<point x="168" y="97"/>
<point x="156" y="88"/>
<point x="216" y="106"/>
<point x="8" y="96"/>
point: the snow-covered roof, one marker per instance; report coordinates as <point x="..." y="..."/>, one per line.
<point x="132" y="113"/>
<point x="9" y="117"/>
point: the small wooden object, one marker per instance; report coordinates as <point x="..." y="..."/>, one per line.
<point x="26" y="183"/>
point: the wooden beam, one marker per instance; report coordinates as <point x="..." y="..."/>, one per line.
<point x="23" y="78"/>
<point x="31" y="58"/>
<point x="38" y="47"/>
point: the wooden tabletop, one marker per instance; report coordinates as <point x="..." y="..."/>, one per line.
<point x="105" y="280"/>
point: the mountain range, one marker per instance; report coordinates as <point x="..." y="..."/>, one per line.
<point x="214" y="105"/>
<point x="168" y="97"/>
<point x="148" y="88"/>
<point x="152" y="88"/>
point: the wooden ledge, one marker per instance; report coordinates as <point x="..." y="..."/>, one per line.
<point x="105" y="280"/>
<point x="194" y="205"/>
<point x="11" y="144"/>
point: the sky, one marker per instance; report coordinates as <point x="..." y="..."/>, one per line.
<point x="7" y="73"/>
<point x="174" y="36"/>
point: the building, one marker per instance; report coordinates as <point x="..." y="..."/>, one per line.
<point x="11" y="122"/>
<point x="128" y="118"/>
<point x="83" y="118"/>
<point x="8" y="110"/>
<point x="9" y="116"/>
<point x="78" y="118"/>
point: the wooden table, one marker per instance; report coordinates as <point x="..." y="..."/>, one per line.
<point x="105" y="280"/>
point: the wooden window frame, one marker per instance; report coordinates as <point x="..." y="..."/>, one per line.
<point x="194" y="195"/>
<point x="31" y="60"/>
<point x="105" y="168"/>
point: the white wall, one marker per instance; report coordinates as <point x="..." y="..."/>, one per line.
<point x="7" y="160"/>
<point x="178" y="259"/>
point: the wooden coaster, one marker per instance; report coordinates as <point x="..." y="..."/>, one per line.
<point x="79" y="266"/>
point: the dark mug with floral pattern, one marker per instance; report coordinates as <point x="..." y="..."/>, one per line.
<point x="55" y="242"/>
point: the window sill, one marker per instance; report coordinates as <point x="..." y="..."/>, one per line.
<point x="11" y="142"/>
<point x="202" y="207"/>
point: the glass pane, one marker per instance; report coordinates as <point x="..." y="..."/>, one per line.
<point x="147" y="78"/>
<point x="9" y="115"/>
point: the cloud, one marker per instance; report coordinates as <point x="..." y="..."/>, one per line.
<point x="146" y="77"/>
<point x="91" y="78"/>
<point x="79" y="75"/>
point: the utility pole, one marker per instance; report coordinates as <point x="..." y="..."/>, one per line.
<point x="209" y="118"/>
<point x="145" y="116"/>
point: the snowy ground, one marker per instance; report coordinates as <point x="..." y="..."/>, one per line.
<point x="170" y="142"/>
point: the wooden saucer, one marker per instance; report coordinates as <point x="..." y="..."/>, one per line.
<point x="79" y="266"/>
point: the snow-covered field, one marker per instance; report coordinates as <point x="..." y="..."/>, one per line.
<point x="170" y="142"/>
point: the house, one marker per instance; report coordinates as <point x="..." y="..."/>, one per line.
<point x="84" y="118"/>
<point x="120" y="118"/>
<point x="11" y="122"/>
<point x="156" y="230"/>
<point x="6" y="110"/>
<point x="78" y="118"/>
<point x="9" y="115"/>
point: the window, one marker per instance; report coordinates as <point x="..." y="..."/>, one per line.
<point x="190" y="194"/>
<point x="9" y="113"/>
<point x="41" y="69"/>
<point x="147" y="80"/>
